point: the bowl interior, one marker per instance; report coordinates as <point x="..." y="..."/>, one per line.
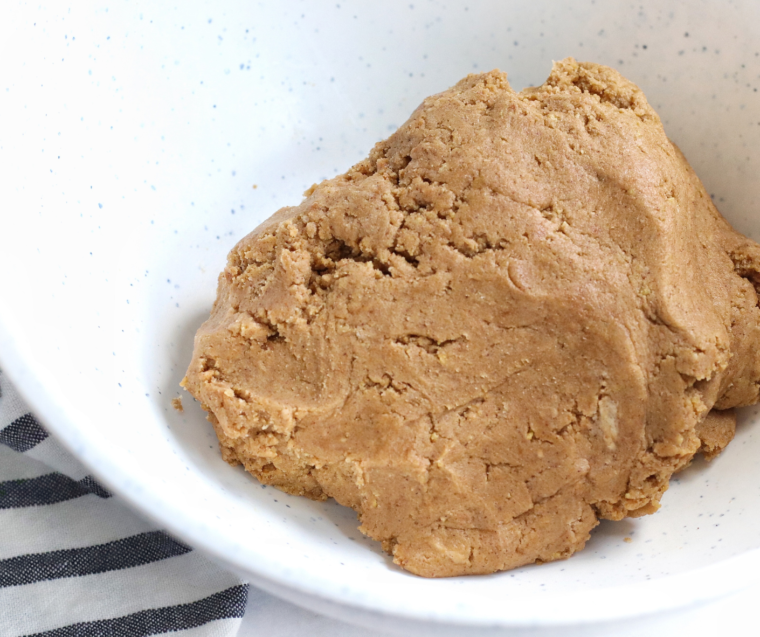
<point x="147" y="140"/>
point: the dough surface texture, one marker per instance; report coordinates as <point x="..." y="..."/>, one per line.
<point x="520" y="314"/>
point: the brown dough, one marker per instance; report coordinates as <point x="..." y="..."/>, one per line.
<point x="509" y="321"/>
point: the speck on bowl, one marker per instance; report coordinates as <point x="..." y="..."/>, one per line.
<point x="141" y="141"/>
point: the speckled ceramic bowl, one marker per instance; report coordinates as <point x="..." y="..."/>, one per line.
<point x="141" y="141"/>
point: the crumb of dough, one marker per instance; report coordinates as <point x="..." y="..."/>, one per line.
<point x="177" y="404"/>
<point x="520" y="314"/>
<point x="627" y="540"/>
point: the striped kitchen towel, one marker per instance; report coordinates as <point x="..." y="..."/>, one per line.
<point x="75" y="562"/>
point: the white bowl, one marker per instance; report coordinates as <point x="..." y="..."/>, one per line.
<point x="132" y="139"/>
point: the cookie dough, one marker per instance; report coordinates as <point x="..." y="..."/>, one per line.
<point x="520" y="314"/>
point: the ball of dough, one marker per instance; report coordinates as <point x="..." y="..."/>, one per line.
<point x="517" y="316"/>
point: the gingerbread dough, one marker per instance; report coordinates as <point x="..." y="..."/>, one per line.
<point x="517" y="316"/>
